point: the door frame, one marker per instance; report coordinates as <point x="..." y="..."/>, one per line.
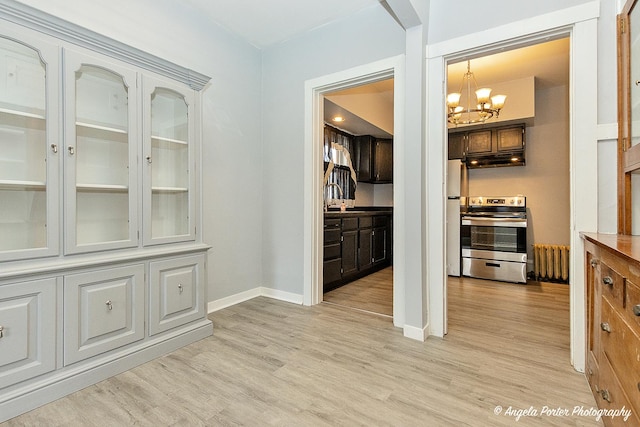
<point x="313" y="171"/>
<point x="580" y="24"/>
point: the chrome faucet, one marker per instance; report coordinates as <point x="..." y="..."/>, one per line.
<point x="331" y="184"/>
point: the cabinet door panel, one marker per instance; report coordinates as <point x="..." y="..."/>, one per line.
<point x="384" y="161"/>
<point x="104" y="310"/>
<point x="29" y="159"/>
<point x="510" y="139"/>
<point x="175" y="292"/>
<point x="349" y="252"/>
<point x="479" y="142"/>
<point x="100" y="157"/>
<point x="364" y="255"/>
<point x="169" y="184"/>
<point x="27" y="318"/>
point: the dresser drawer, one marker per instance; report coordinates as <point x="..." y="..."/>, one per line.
<point x="621" y="345"/>
<point x="591" y="371"/>
<point x="104" y="310"/>
<point x="28" y="334"/>
<point x="632" y="305"/>
<point x="175" y="292"/>
<point x="611" y="397"/>
<point x="612" y="284"/>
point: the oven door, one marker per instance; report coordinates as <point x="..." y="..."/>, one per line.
<point x="485" y="236"/>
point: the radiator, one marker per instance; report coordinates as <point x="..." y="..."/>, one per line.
<point x="551" y="262"/>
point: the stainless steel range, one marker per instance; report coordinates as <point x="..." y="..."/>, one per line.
<point x="493" y="238"/>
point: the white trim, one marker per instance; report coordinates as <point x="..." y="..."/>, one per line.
<point x="313" y="215"/>
<point x="607" y="131"/>
<point x="419" y="334"/>
<point x="260" y="291"/>
<point x="580" y="23"/>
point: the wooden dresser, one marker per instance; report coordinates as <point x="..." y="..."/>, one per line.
<point x="613" y="323"/>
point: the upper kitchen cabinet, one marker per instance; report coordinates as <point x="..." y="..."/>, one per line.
<point x="491" y="147"/>
<point x="29" y="148"/>
<point x="374" y="159"/>
<point x="169" y="162"/>
<point x="100" y="160"/>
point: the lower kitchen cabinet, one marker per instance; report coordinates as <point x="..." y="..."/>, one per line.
<point x="175" y="292"/>
<point x="355" y="246"/>
<point x="104" y="310"/>
<point x="27" y="330"/>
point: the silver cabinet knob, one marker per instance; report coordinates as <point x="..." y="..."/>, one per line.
<point x="1" y="331"/>
<point x="148" y="159"/>
<point x="109" y="304"/>
<point x="605" y="327"/>
<point x="180" y="288"/>
<point x="607" y="281"/>
<point x="72" y="150"/>
<point x="605" y="395"/>
<point x="54" y="148"/>
<point x="594" y="263"/>
<point x="636" y="309"/>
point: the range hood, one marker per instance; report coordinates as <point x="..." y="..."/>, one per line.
<point x="516" y="158"/>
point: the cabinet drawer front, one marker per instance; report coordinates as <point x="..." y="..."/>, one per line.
<point x="104" y="310"/>
<point x="331" y="223"/>
<point x="591" y="371"/>
<point x="175" y="292"/>
<point x="380" y="221"/>
<point x="366" y="222"/>
<point x="28" y="342"/>
<point x="332" y="251"/>
<point x="612" y="284"/>
<point x="632" y="304"/>
<point x="332" y="236"/>
<point x="610" y="396"/>
<point x="349" y="224"/>
<point x="622" y="348"/>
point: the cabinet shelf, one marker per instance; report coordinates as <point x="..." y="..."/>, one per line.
<point x="22" y="185"/>
<point x="169" y="189"/>
<point x="107" y="188"/>
<point x="101" y="127"/>
<point x="171" y="140"/>
<point x="20" y="113"/>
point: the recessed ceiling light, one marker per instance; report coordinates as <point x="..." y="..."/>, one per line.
<point x="338" y="119"/>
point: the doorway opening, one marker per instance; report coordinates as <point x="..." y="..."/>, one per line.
<point x="331" y="88"/>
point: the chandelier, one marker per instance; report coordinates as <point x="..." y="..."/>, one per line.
<point x="485" y="107"/>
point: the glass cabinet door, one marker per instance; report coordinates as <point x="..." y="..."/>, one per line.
<point x="28" y="150"/>
<point x="169" y="134"/>
<point x="100" y="155"/>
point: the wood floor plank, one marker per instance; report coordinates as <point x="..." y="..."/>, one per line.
<point x="271" y="363"/>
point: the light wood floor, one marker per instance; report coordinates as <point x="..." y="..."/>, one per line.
<point x="275" y="363"/>
<point x="373" y="293"/>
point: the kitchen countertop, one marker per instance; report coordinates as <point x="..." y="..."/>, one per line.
<point x="359" y="211"/>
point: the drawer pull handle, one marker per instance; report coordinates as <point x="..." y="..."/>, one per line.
<point x="605" y="395"/>
<point x="1" y="331"/>
<point x="54" y="148"/>
<point x="149" y="159"/>
<point x="72" y="150"/>
<point x="594" y="263"/>
<point x="180" y="288"/>
<point x="607" y="281"/>
<point x="109" y="304"/>
<point x="605" y="327"/>
<point x="636" y="310"/>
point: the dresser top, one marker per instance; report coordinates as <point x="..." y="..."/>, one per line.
<point x="623" y="245"/>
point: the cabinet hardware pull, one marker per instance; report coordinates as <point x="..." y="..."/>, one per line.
<point x="54" y="148"/>
<point x="149" y="159"/>
<point x="1" y="331"/>
<point x="180" y="288"/>
<point x="605" y="395"/>
<point x="636" y="310"/>
<point x="72" y="151"/>
<point x="607" y="281"/>
<point x="109" y="304"/>
<point x="605" y="327"/>
<point x="594" y="263"/>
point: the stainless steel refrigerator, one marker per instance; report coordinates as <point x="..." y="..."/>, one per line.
<point x="457" y="190"/>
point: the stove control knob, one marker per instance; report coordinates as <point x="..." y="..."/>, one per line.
<point x="511" y="202"/>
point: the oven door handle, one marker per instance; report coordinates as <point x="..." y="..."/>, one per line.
<point x="494" y="222"/>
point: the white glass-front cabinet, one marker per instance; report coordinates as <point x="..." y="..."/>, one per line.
<point x="169" y="134"/>
<point x="100" y="154"/>
<point x="29" y="158"/>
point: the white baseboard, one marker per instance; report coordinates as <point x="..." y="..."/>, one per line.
<point x="221" y="303"/>
<point x="418" y="334"/>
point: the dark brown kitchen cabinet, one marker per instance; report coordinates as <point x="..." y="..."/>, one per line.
<point x="495" y="141"/>
<point x="373" y="159"/>
<point x="456" y="145"/>
<point x="355" y="246"/>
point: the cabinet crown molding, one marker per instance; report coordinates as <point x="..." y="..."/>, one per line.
<point x="29" y="17"/>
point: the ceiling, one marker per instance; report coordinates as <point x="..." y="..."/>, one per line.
<point x="267" y="22"/>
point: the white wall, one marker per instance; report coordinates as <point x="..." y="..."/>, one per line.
<point x="368" y="36"/>
<point x="544" y="180"/>
<point x="231" y="119"/>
